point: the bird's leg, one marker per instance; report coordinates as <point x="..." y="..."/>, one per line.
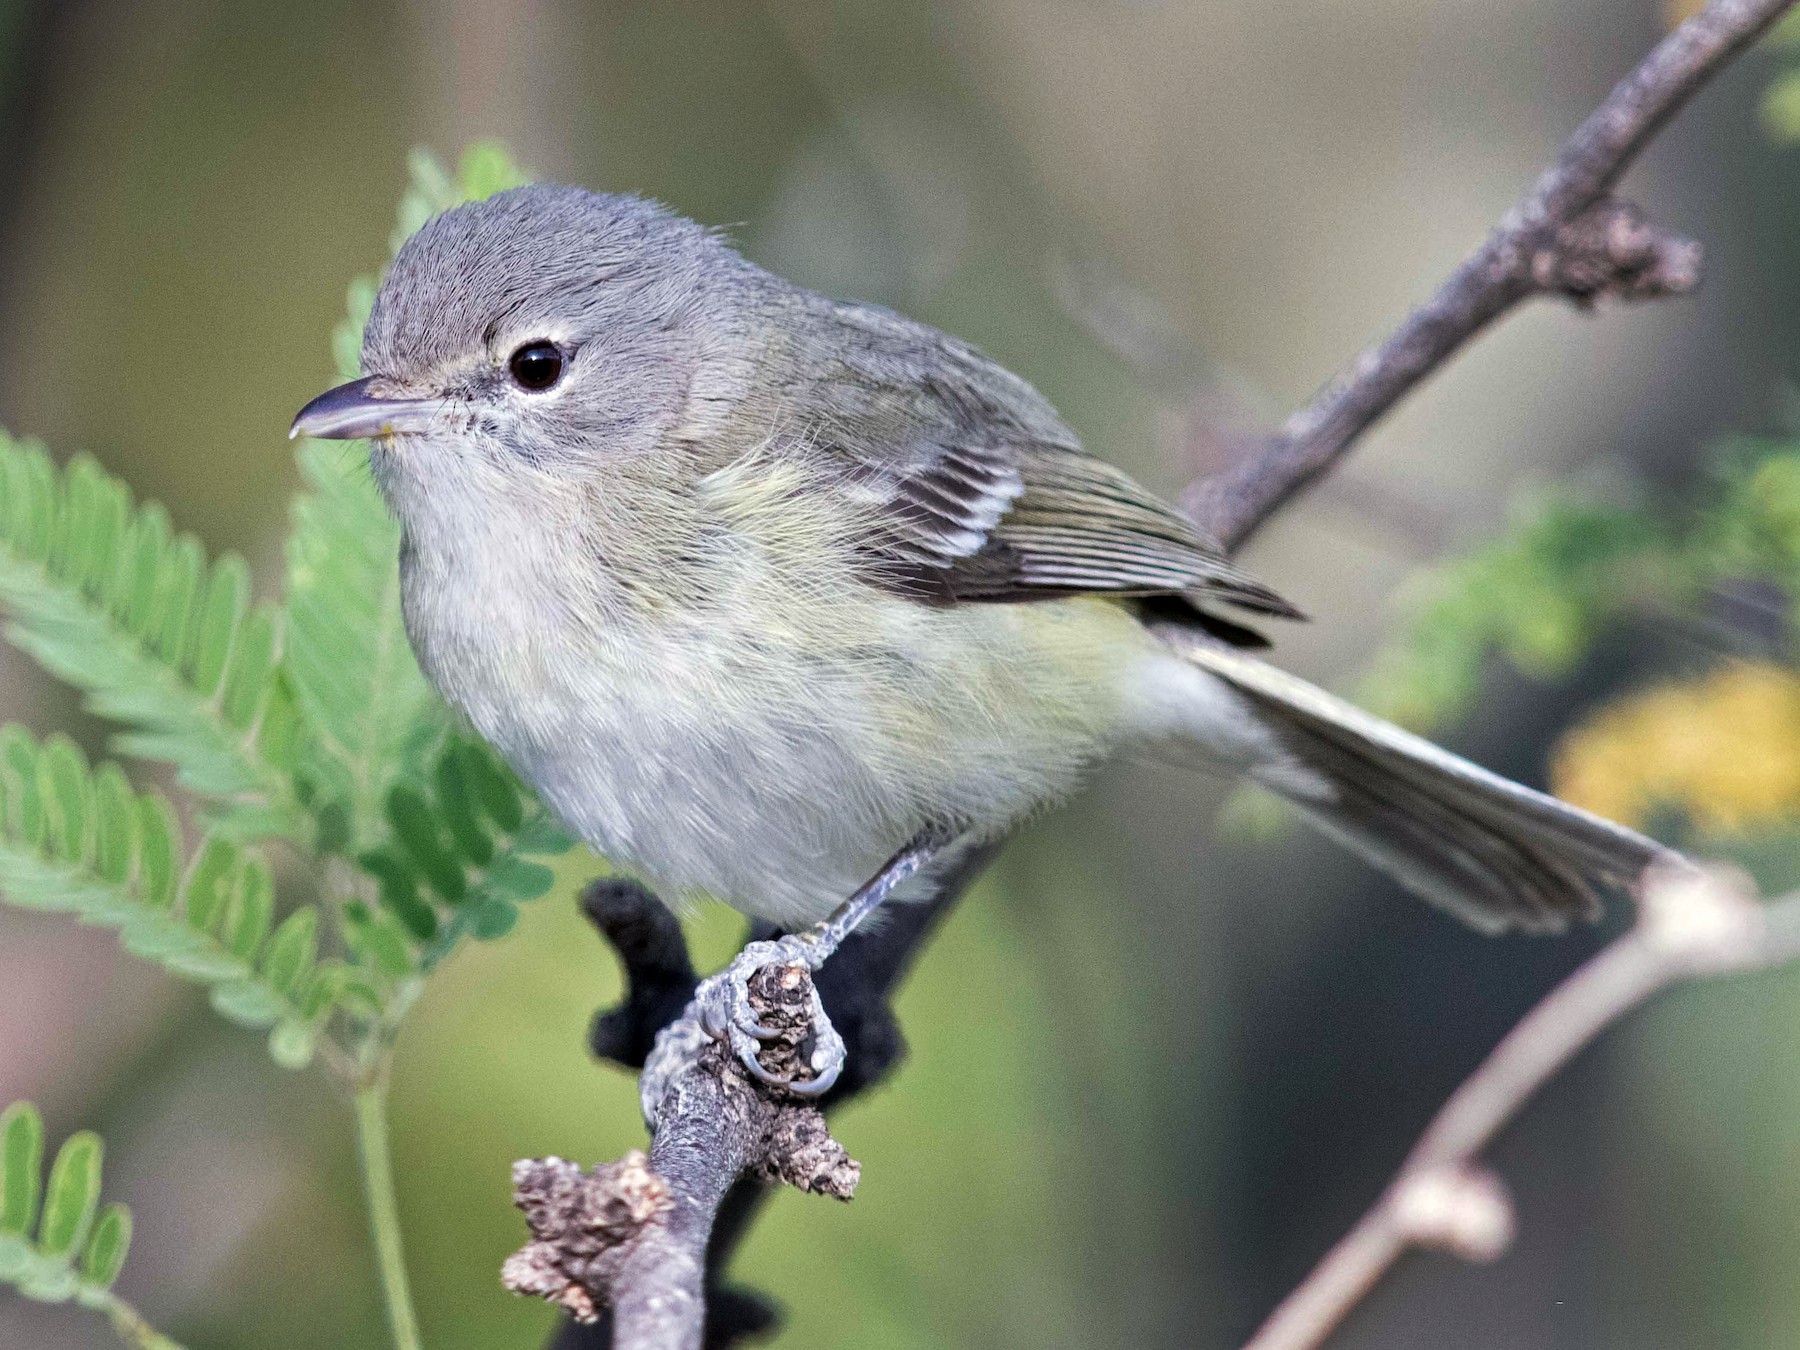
<point x="722" y="1003"/>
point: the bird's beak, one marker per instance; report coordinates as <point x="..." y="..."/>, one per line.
<point x="351" y="413"/>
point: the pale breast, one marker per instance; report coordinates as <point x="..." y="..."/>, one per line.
<point x="772" y="758"/>
<point x="703" y="687"/>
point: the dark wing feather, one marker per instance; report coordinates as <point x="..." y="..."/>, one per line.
<point x="974" y="489"/>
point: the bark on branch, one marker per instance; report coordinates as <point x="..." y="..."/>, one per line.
<point x="638" y="1246"/>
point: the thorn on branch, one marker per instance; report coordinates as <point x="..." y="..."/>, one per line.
<point x="1613" y="249"/>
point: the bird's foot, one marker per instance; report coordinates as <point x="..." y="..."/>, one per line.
<point x="785" y="1022"/>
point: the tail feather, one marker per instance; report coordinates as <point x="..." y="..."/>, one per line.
<point x="1495" y="853"/>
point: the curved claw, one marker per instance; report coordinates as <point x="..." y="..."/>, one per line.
<point x="816" y="1087"/>
<point x="827" y="1057"/>
<point x="751" y="1027"/>
<point x="746" y="1051"/>
<point x="727" y="1009"/>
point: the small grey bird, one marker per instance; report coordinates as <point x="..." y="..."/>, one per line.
<point x="780" y="599"/>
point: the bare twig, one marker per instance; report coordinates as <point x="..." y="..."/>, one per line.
<point x="1691" y="923"/>
<point x="1568" y="237"/>
<point x="712" y="1143"/>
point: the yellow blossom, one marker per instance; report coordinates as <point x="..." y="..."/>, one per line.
<point x="1725" y="750"/>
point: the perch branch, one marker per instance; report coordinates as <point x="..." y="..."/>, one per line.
<point x="649" y="1237"/>
<point x="638" y="1263"/>
<point x="633" y="1235"/>
<point x="1567" y="237"/>
<point x="1691" y="923"/>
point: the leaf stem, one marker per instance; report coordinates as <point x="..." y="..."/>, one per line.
<point x="373" y="1149"/>
<point x="132" y="1327"/>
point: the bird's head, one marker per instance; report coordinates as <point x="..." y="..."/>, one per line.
<point x="521" y="341"/>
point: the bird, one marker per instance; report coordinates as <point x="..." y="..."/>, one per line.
<point x="785" y="600"/>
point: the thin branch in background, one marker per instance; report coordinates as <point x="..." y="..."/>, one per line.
<point x="711" y="1127"/>
<point x="1691" y="923"/>
<point x="1567" y="237"/>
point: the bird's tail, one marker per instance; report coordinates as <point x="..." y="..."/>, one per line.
<point x="1492" y="852"/>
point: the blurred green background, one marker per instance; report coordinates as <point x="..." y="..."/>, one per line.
<point x="1156" y="1067"/>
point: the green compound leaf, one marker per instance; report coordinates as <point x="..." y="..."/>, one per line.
<point x="516" y="879"/>
<point x="79" y="1247"/>
<point x="492" y="786"/>
<point x="487" y="167"/>
<point x="378" y="941"/>
<point x="101" y="594"/>
<point x="415" y="826"/>
<point x="458" y="809"/>
<point x="81" y="841"/>
<point x="1537" y="596"/>
<point x="249" y="909"/>
<point x="209" y="881"/>
<point x="399" y="890"/>
<point x="353" y="674"/>
<point x="457" y="859"/>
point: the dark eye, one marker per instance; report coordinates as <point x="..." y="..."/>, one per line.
<point x="536" y="366"/>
